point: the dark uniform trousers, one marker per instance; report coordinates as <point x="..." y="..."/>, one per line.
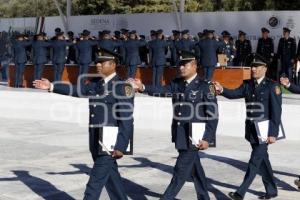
<point x="132" y="71"/>
<point x="19" y="74"/>
<point x="187" y="164"/>
<point x="259" y="163"/>
<point x="268" y="95"/>
<point x="208" y="72"/>
<point x="157" y="74"/>
<point x="58" y="70"/>
<point x="38" y="70"/>
<point x="105" y="173"/>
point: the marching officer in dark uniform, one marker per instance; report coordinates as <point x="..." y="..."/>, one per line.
<point x="265" y="48"/>
<point x="287" y="53"/>
<point x="228" y="48"/>
<point x="71" y="58"/>
<point x="157" y="50"/>
<point x="188" y="93"/>
<point x="110" y="104"/>
<point x="175" y="42"/>
<point x="243" y="49"/>
<point x="108" y="43"/>
<point x="20" y="58"/>
<point x="263" y="102"/>
<point x="132" y="55"/>
<point x="294" y="89"/>
<point x="40" y="49"/>
<point x="84" y="52"/>
<point x="208" y="48"/>
<point x="59" y="46"/>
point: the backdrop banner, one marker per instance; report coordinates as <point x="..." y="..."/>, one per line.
<point x="250" y="22"/>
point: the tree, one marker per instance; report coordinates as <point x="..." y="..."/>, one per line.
<point x="32" y="8"/>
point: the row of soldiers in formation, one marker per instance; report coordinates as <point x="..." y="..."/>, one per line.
<point x="135" y="50"/>
<point x="194" y="101"/>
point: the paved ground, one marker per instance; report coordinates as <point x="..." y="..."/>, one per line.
<point x="47" y="160"/>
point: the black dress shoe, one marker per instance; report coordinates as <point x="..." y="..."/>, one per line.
<point x="297" y="182"/>
<point x="235" y="196"/>
<point x="268" y="196"/>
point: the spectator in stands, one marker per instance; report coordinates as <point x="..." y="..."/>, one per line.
<point x="208" y="48"/>
<point x="84" y="53"/>
<point x="132" y="57"/>
<point x="59" y="46"/>
<point x="228" y="48"/>
<point x="108" y="42"/>
<point x="243" y="49"/>
<point x="287" y="53"/>
<point x="157" y="48"/>
<point x="5" y="55"/>
<point x="71" y="58"/>
<point x="186" y="42"/>
<point x="40" y="48"/>
<point x="20" y="58"/>
<point x="175" y="45"/>
<point x="265" y="48"/>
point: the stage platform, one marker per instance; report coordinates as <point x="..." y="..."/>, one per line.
<point x="231" y="77"/>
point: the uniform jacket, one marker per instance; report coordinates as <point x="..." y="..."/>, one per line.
<point x="109" y="105"/>
<point x="262" y="103"/>
<point x="194" y="103"/>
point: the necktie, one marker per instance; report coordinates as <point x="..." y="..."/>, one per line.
<point x="185" y="84"/>
<point x="256" y="83"/>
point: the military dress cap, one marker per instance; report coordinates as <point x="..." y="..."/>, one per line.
<point x="257" y="60"/>
<point x="200" y="34"/>
<point x="285" y="29"/>
<point x="104" y="32"/>
<point x="57" y="30"/>
<point x="71" y="33"/>
<point x="186" y="57"/>
<point x="132" y="32"/>
<point x="160" y="31"/>
<point x="124" y="30"/>
<point x="185" y="31"/>
<point x="152" y="32"/>
<point x="176" y="32"/>
<point x="265" y="30"/>
<point x="225" y="33"/>
<point x="61" y="33"/>
<point x="242" y="32"/>
<point x="86" y="33"/>
<point x="117" y="32"/>
<point x="210" y="31"/>
<point x="20" y="35"/>
<point x="106" y="55"/>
